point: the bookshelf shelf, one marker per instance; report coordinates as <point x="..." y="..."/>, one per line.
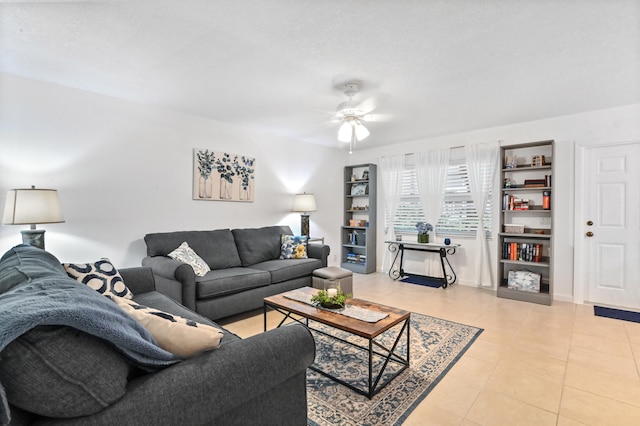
<point x="526" y="204"/>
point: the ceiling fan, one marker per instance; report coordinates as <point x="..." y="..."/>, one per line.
<point x="352" y="114"/>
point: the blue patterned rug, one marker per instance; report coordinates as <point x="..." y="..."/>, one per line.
<point x="436" y="345"/>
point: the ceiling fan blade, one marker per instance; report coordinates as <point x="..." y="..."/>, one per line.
<point x="368" y="105"/>
<point x="376" y="118"/>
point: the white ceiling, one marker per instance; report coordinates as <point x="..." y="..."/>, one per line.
<point x="430" y="67"/>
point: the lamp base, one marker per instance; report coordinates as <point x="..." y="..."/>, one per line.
<point x="33" y="237"/>
<point x="304" y="224"/>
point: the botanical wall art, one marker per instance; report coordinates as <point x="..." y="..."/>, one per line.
<point x="221" y="176"/>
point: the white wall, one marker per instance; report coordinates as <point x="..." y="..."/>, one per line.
<point x="123" y="170"/>
<point x="610" y="125"/>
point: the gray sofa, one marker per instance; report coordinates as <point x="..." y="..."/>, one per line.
<point x="260" y="380"/>
<point x="245" y="268"/>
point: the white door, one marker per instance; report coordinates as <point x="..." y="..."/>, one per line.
<point x="610" y="231"/>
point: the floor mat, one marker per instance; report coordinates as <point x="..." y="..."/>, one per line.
<point x="420" y="280"/>
<point x="620" y="314"/>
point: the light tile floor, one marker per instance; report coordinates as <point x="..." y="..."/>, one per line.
<point x="532" y="365"/>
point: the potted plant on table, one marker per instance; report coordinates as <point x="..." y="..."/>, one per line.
<point x="331" y="298"/>
<point x="423" y="231"/>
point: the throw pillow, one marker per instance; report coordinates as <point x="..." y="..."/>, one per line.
<point x="61" y="372"/>
<point x="101" y="276"/>
<point x="293" y="247"/>
<point x="180" y="336"/>
<point x="185" y="254"/>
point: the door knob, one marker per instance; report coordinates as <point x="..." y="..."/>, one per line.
<point x="589" y="234"/>
<point x="589" y="222"/>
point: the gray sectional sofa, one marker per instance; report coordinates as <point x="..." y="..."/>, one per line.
<point x="245" y="267"/>
<point x="55" y="374"/>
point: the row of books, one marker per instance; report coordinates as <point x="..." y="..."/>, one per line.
<point x="528" y="252"/>
<point x="358" y="259"/>
<point x="509" y="202"/>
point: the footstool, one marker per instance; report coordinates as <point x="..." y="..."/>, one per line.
<point x="333" y="277"/>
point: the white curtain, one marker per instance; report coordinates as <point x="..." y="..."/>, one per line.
<point x="390" y="172"/>
<point x="431" y="174"/>
<point x="482" y="163"/>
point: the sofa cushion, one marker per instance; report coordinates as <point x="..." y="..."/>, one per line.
<point x="293" y="246"/>
<point x="185" y="254"/>
<point x="62" y="372"/>
<point x="217" y="248"/>
<point x="181" y="336"/>
<point x="288" y="269"/>
<point x="256" y="245"/>
<point x="158" y="300"/>
<point x="221" y="282"/>
<point x="101" y="276"/>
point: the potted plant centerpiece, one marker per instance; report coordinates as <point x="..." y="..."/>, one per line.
<point x="332" y="298"/>
<point x="423" y="231"/>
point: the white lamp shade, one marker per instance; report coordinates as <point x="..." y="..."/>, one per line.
<point x="32" y="206"/>
<point x="345" y="131"/>
<point x="361" y="131"/>
<point x="304" y="203"/>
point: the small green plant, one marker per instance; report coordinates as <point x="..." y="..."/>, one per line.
<point x="323" y="299"/>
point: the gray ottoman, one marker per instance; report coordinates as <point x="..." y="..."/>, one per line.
<point x="333" y="277"/>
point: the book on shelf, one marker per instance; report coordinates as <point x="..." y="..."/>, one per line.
<point x="357" y="259"/>
<point x="535" y="183"/>
<point x="526" y="252"/>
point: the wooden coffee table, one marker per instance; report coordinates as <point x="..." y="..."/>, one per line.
<point x="367" y="330"/>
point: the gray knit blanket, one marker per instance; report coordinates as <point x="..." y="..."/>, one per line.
<point x="35" y="290"/>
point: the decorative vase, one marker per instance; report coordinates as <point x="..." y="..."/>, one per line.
<point x="245" y="192"/>
<point x="225" y="189"/>
<point x="423" y="238"/>
<point x="204" y="188"/>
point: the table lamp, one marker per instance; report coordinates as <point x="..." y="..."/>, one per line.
<point x="30" y="207"/>
<point x="304" y="203"/>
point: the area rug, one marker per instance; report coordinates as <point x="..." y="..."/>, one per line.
<point x="436" y="345"/>
<point x="419" y="280"/>
<point x="620" y="314"/>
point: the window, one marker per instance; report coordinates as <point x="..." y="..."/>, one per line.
<point x="459" y="215"/>
<point x="409" y="211"/>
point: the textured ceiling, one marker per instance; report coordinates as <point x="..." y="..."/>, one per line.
<point x="427" y="67"/>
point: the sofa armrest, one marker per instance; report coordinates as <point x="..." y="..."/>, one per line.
<point x="319" y="251"/>
<point x="175" y="271"/>
<point x="138" y="279"/>
<point x="222" y="386"/>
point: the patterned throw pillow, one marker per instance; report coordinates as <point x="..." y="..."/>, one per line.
<point x="180" y="336"/>
<point x="185" y="254"/>
<point x="101" y="276"/>
<point x="293" y="247"/>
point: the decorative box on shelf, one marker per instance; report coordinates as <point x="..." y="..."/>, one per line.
<point x="524" y="281"/>
<point x="513" y="228"/>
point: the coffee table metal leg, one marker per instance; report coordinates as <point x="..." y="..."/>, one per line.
<point x="389" y="355"/>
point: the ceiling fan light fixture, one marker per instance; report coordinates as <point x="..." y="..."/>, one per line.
<point x="349" y="109"/>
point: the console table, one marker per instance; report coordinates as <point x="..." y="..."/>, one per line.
<point x="398" y="247"/>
